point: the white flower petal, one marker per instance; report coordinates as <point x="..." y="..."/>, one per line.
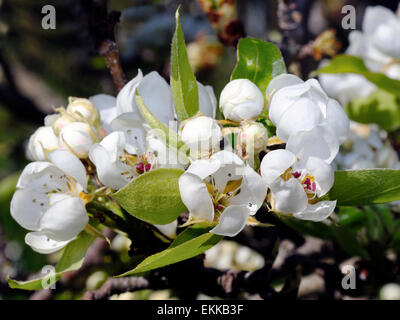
<point x="319" y="142"/>
<point x="41" y="143"/>
<point x="323" y="174"/>
<point x="76" y="137"/>
<point x="42" y="244"/>
<point x="317" y="212"/>
<point x="232" y="221"/>
<point x="107" y="106"/>
<point x="160" y="154"/>
<point x="285" y="98"/>
<point x="108" y="171"/>
<point x="126" y="100"/>
<point x="281" y="81"/>
<point x="231" y="168"/>
<point x="70" y="164"/>
<point x="157" y="97"/>
<point x="27" y="206"/>
<point x="65" y="219"/>
<point x="303" y="115"/>
<point x="275" y="163"/>
<point x="337" y="120"/>
<point x="195" y="196"/>
<point x="134" y="131"/>
<point x="207" y="100"/>
<point x="168" y="229"/>
<point x="42" y="177"/>
<point x="288" y="196"/>
<point x="204" y="168"/>
<point x="114" y="143"/>
<point x="253" y="191"/>
<point x="374" y="17"/>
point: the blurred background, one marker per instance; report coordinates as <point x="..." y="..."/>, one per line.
<point x="40" y="68"/>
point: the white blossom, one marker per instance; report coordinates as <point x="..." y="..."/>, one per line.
<point x="116" y="165"/>
<point x="48" y="201"/>
<point x="222" y="188"/>
<point x="311" y="123"/>
<point x="41" y="143"/>
<point x="295" y="185"/>
<point x="378" y="44"/>
<point x="202" y="135"/>
<point x="241" y="100"/>
<point x="77" y="137"/>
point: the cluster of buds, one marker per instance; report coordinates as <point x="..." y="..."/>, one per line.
<point x="75" y="128"/>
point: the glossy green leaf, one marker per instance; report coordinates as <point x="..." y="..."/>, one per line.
<point x="190" y="243"/>
<point x="153" y="197"/>
<point x="350" y="64"/>
<point x="380" y="107"/>
<point x="350" y="216"/>
<point x="183" y="82"/>
<point x="72" y="259"/>
<point x="363" y="187"/>
<point x="258" y="61"/>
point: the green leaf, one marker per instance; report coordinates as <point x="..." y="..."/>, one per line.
<point x="380" y="107"/>
<point x="258" y="61"/>
<point x="349" y="242"/>
<point x="172" y="138"/>
<point x="72" y="259"/>
<point x="183" y="82"/>
<point x="350" y="217"/>
<point x="363" y="187"/>
<point x="386" y="216"/>
<point x="349" y="64"/>
<point x="153" y="197"/>
<point x="190" y="243"/>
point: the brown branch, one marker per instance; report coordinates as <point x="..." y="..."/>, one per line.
<point x="120" y="285"/>
<point x="212" y="282"/>
<point x="101" y="25"/>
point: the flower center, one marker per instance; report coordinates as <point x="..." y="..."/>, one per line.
<point x="136" y="164"/>
<point x="307" y="181"/>
<point x="221" y="199"/>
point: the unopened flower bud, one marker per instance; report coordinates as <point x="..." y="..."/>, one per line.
<point x="77" y="137"/>
<point x="201" y="135"/>
<point x="59" y="121"/>
<point x="253" y="137"/>
<point x="84" y="108"/>
<point x="41" y="143"/>
<point x="241" y="100"/>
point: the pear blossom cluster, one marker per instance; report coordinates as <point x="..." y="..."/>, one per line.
<point x="230" y="171"/>
<point x="378" y="44"/>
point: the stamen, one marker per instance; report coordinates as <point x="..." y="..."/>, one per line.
<point x="296" y="174"/>
<point x="140" y="167"/>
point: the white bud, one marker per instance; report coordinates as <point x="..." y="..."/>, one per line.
<point x="201" y="135"/>
<point x="390" y="291"/>
<point x="241" y="100"/>
<point x="59" y="121"/>
<point x="41" y="143"/>
<point x="83" y="108"/>
<point x="77" y="137"/>
<point x="253" y="137"/>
